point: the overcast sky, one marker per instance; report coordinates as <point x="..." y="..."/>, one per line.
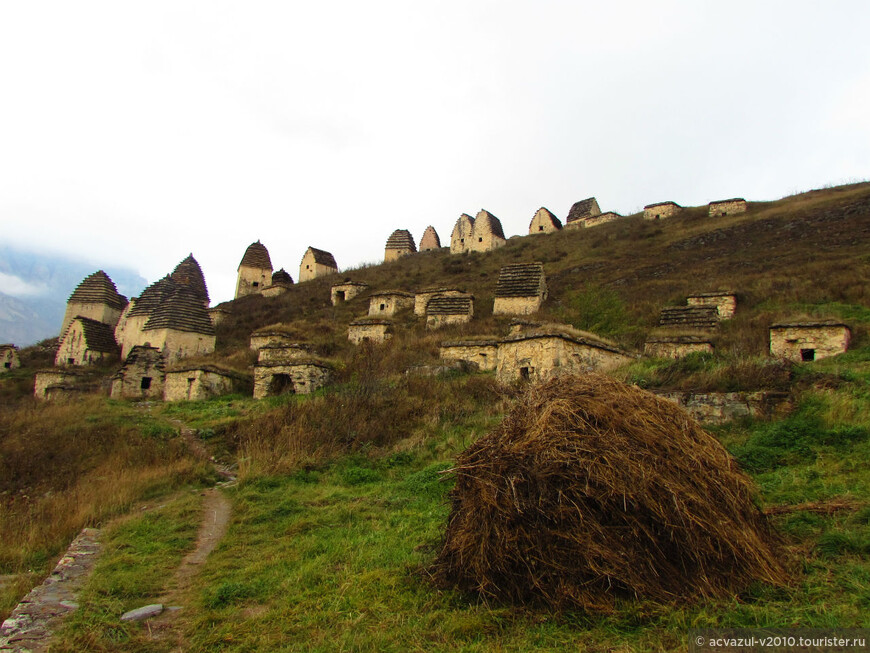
<point x="136" y="133"/>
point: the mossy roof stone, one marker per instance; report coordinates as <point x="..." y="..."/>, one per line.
<point x="98" y="336"/>
<point x="188" y="273"/>
<point x="520" y="280"/>
<point x="401" y="239"/>
<point x="581" y="209"/>
<point x="450" y="305"/>
<point x="257" y="256"/>
<point x="98" y="288"/>
<point x="322" y="257"/>
<point x="181" y="310"/>
<point x="281" y="276"/>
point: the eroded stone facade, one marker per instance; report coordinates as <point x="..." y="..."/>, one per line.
<point x="603" y="218"/>
<point x="422" y="297"/>
<point x="722" y="407"/>
<point x="520" y="290"/>
<point x="9" y="358"/>
<point x="430" y="240"/>
<point x="727" y="207"/>
<point x="661" y="210"/>
<point x="45" y="379"/>
<point x="676" y="347"/>
<point x="198" y="383"/>
<point x="176" y="345"/>
<point x="344" y="292"/>
<point x="724" y="302"/>
<point x="270" y="336"/>
<point x="316" y="263"/>
<point x="86" y="342"/>
<point x="809" y="341"/>
<point x="517" y="305"/>
<point x="463" y="232"/>
<point x="376" y="331"/>
<point x="538" y="357"/>
<point x="141" y="376"/>
<point x="482" y="354"/>
<point x="295" y="377"/>
<point x="389" y="303"/>
<point x="444" y="310"/>
<point x="487" y="233"/>
<point x="544" y="222"/>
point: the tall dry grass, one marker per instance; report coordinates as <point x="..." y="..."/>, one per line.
<point x="65" y="467"/>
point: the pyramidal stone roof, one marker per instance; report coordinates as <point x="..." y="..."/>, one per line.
<point x="188" y="273"/>
<point x="322" y="257"/>
<point x="257" y="256"/>
<point x="430" y="239"/>
<point x="401" y="239"/>
<point x="98" y="288"/>
<point x="486" y="221"/>
<point x="582" y="209"/>
<point x="520" y="280"/>
<point x="152" y="297"/>
<point x="281" y="276"/>
<point x="456" y="305"/>
<point x="98" y="336"/>
<point x="690" y="317"/>
<point x="182" y="310"/>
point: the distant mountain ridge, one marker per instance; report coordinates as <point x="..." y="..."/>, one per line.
<point x="28" y="317"/>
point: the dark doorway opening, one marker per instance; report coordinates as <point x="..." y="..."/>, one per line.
<point x="525" y="375"/>
<point x="339" y="295"/>
<point x="280" y="384"/>
<point x="146" y="383"/>
<point x="808" y="354"/>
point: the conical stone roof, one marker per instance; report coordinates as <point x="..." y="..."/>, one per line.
<point x="487" y="222"/>
<point x="152" y="297"/>
<point x="256" y="256"/>
<point x="281" y="276"/>
<point x="188" y="273"/>
<point x="98" y="288"/>
<point x="181" y="309"/>
<point x="401" y="239"/>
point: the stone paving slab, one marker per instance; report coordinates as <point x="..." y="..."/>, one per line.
<point x="28" y="629"/>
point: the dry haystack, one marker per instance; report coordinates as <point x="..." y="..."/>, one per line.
<point x="591" y="489"/>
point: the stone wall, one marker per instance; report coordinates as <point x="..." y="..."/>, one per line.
<point x="128" y="331"/>
<point x="275" y="289"/>
<point x="389" y="303"/>
<point x="197" y="385"/>
<point x="251" y="281"/>
<point x="482" y="354"/>
<point x="461" y="238"/>
<point x="661" y="211"/>
<point x="661" y="348"/>
<point x="263" y="338"/>
<point x="421" y="299"/>
<point x="726" y="207"/>
<point x="378" y="332"/>
<point x="311" y="269"/>
<point x="99" y="312"/>
<point x="280" y="353"/>
<point x="543" y="222"/>
<point x="302" y="378"/>
<point x="721" y="407"/>
<point x="725" y="303"/>
<point x="73" y="348"/>
<point x="9" y="359"/>
<point x="218" y="315"/>
<point x="438" y="321"/>
<point x="516" y="305"/>
<point x="808" y="342"/>
<point x="46" y="378"/>
<point x="538" y="358"/>
<point x="344" y="292"/>
<point x="603" y="218"/>
<point x="176" y="345"/>
<point x="394" y="254"/>
<point x="141" y="376"/>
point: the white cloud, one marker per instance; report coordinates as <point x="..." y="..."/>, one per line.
<point x="16" y="287"/>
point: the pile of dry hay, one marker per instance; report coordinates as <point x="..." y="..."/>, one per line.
<point x="591" y="489"/>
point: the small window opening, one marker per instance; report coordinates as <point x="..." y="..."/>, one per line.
<point x="146" y="383"/>
<point x="462" y="240"/>
<point x="256" y="284"/>
<point x="7" y="365"/>
<point x="808" y="354"/>
<point x="658" y="215"/>
<point x="71" y="361"/>
<point x="383" y="306"/>
<point x="307" y="267"/>
<point x="480" y="240"/>
<point x="540" y="227"/>
<point x="524" y="373"/>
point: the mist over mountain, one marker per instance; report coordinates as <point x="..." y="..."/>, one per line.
<point x="34" y="289"/>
